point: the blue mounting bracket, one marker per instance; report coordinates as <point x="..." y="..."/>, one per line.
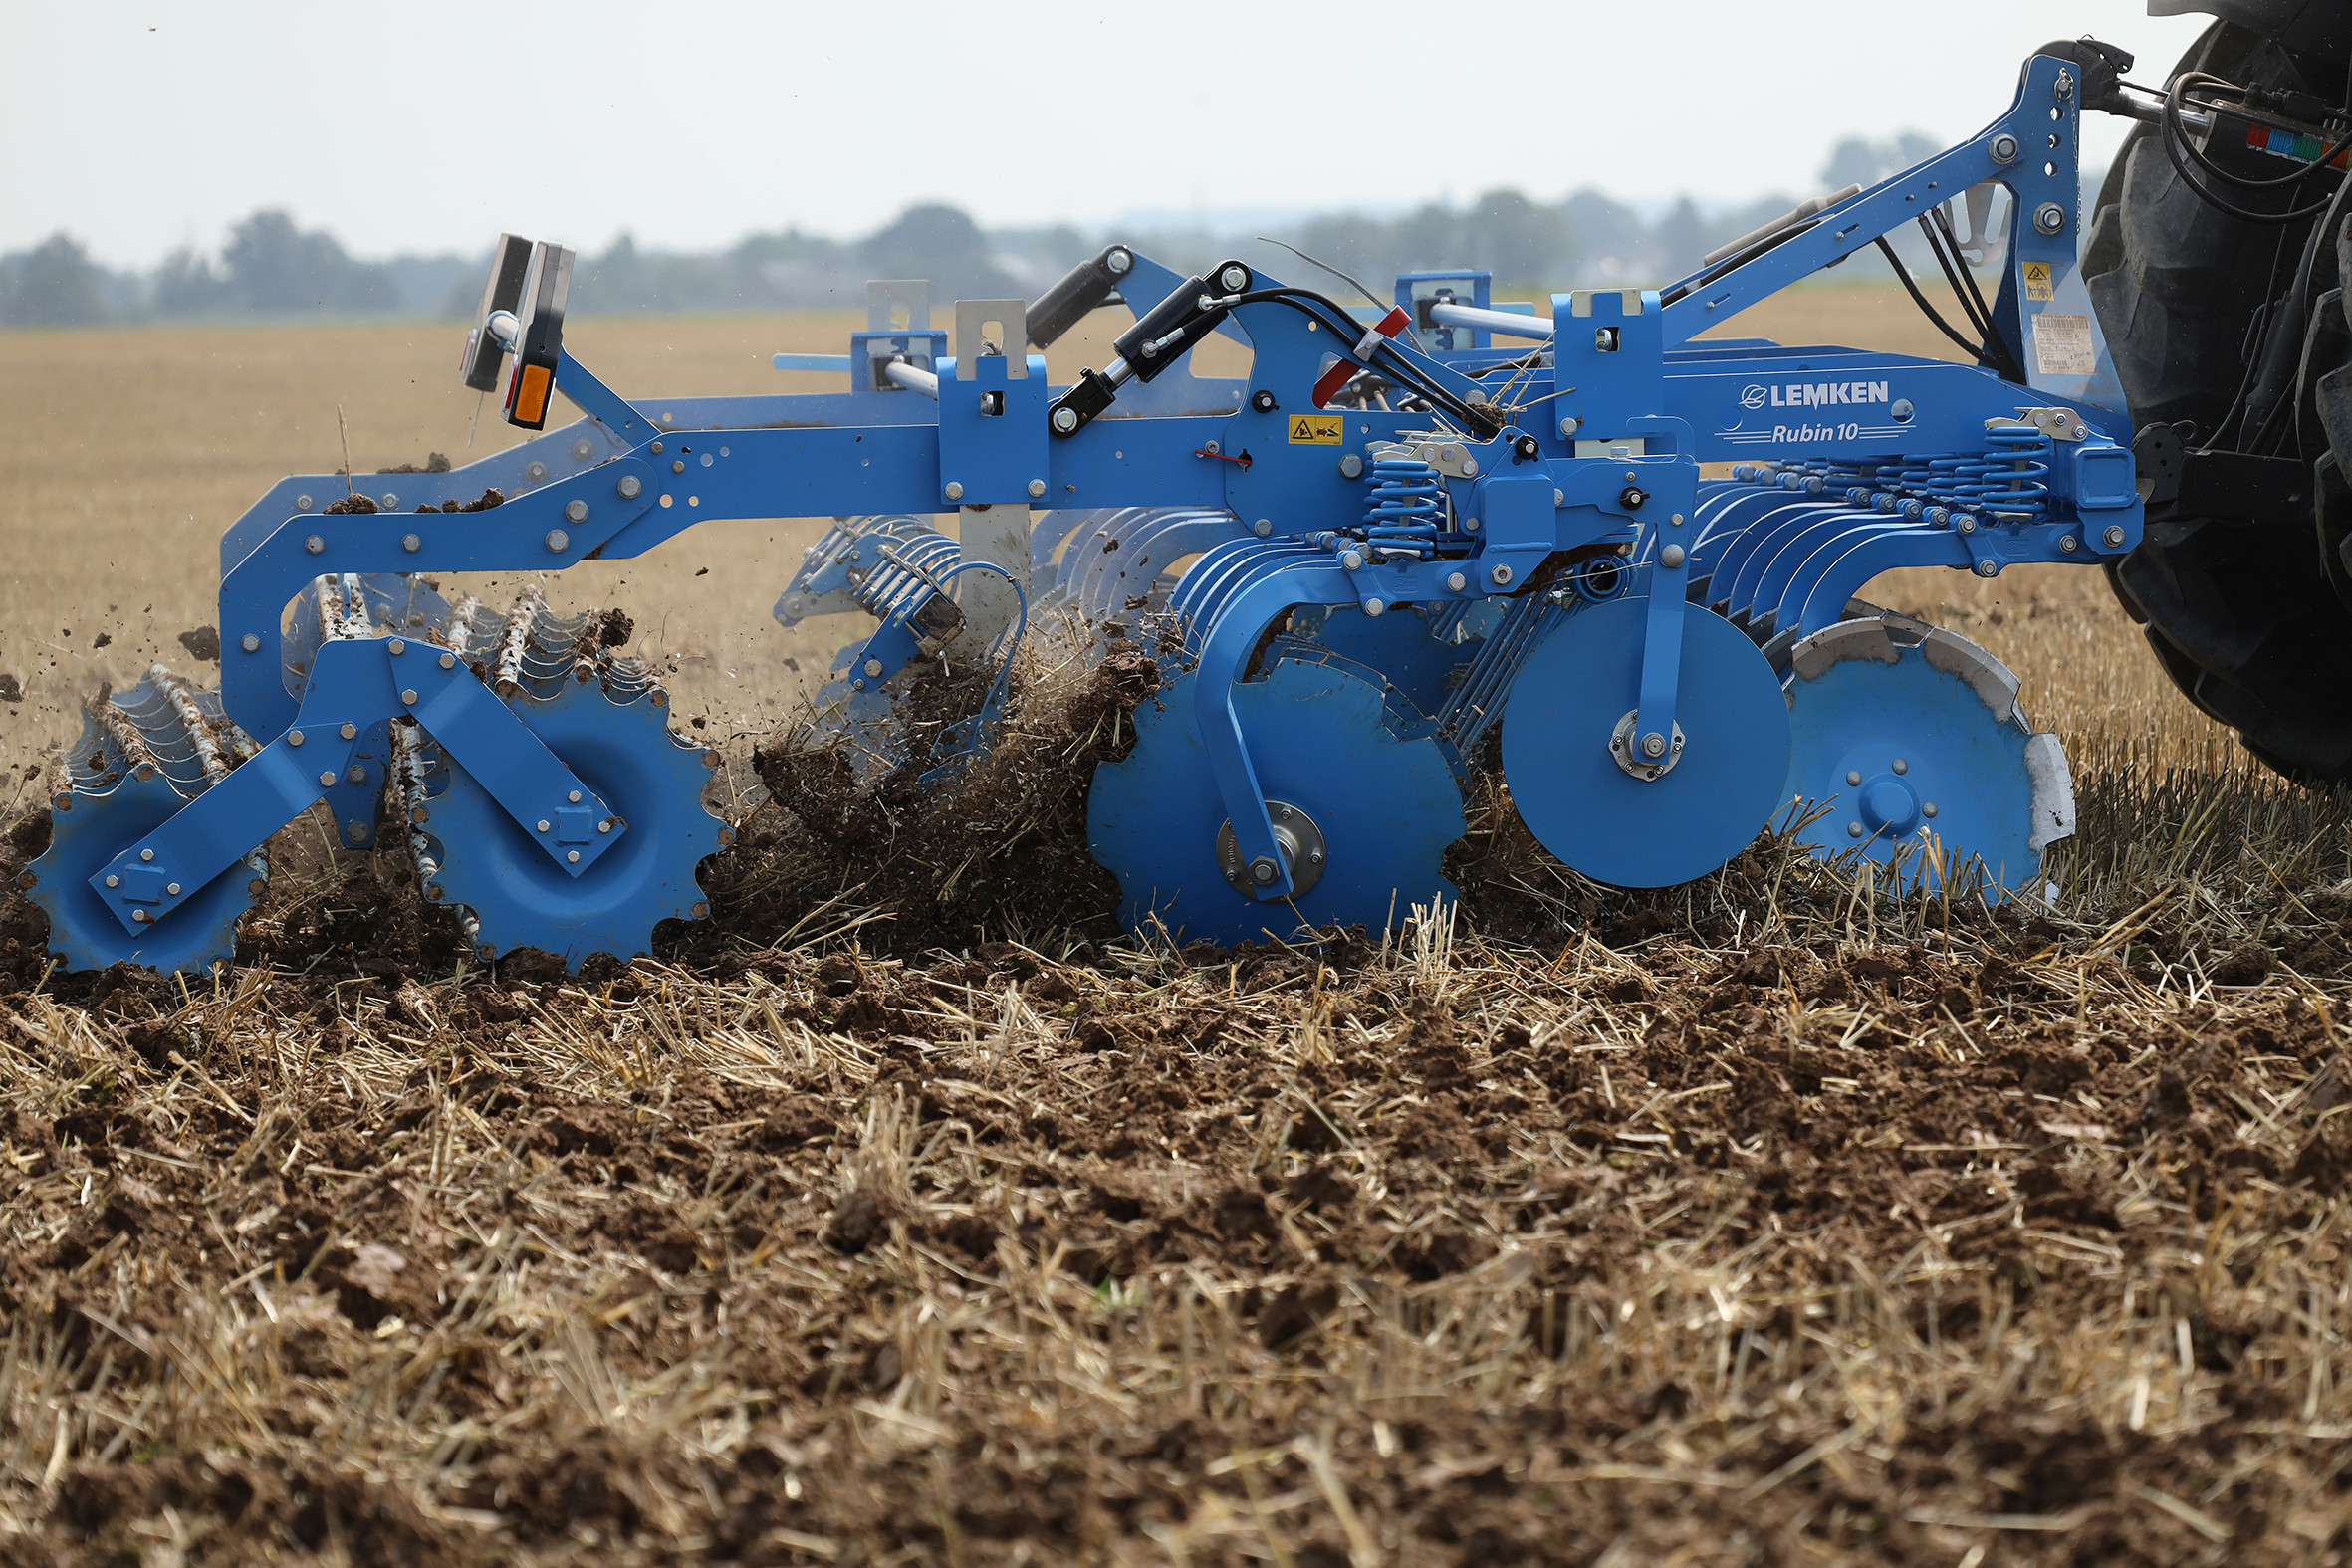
<point x="993" y="440"/>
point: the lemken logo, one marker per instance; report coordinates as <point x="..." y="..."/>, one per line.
<point x="1813" y="394"/>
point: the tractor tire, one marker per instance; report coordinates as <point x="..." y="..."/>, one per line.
<point x="2248" y="615"/>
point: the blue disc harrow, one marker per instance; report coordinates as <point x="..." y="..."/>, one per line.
<point x="1573" y="541"/>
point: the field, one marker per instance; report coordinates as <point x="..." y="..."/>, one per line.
<point x="1766" y="1220"/>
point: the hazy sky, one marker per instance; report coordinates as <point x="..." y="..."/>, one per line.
<point x="428" y="124"/>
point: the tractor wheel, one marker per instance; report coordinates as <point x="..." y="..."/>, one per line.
<point x="2248" y="614"/>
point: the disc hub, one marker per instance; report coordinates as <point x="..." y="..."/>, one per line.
<point x="1889" y="805"/>
<point x="1302" y="843"/>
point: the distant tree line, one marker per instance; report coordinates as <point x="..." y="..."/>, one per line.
<point x="269" y="267"/>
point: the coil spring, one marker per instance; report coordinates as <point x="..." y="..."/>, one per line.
<point x="2011" y="480"/>
<point x="1599" y="579"/>
<point x="1405" y="507"/>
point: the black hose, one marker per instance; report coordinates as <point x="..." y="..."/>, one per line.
<point x="1929" y="311"/>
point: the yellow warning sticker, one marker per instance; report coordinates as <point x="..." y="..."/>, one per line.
<point x="1318" y="429"/>
<point x="2038" y="282"/>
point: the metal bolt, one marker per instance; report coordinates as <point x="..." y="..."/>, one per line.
<point x="1375" y="607"/>
<point x="1235" y="279"/>
<point x="1118" y="261"/>
<point x="678" y="466"/>
<point x="2050" y="218"/>
<point x="2113" y="537"/>
<point x="1065" y="420"/>
<point x="605" y="826"/>
<point x="1653" y="745"/>
<point x="1500" y="577"/>
<point x="250" y="644"/>
<point x="355" y="831"/>
<point x="1928" y="810"/>
<point x="631" y="487"/>
<point x="545" y="824"/>
<point x="326" y="781"/>
<point x="351" y="731"/>
<point x="1988" y="569"/>
<point x="955" y="490"/>
<point x="2064" y="85"/>
<point x="294" y="738"/>
<point x="1901" y="766"/>
<point x="1037" y="487"/>
<point x="574" y="798"/>
<point x="576" y="510"/>
<point x="449" y="662"/>
<point x="1964" y="522"/>
<point x="1262" y="871"/>
<point x="391" y="501"/>
<point x="571" y="856"/>
<point x="1352" y="559"/>
<point x="172" y="888"/>
<point x="1468" y="466"/>
<point x="1853" y="777"/>
<point x="700" y="912"/>
<point x="114" y="880"/>
<point x="1351" y="466"/>
<point x="1263" y="528"/>
<point x="395" y="647"/>
<point x="1670" y="556"/>
<point x="140" y="917"/>
<point x="1456" y="582"/>
<point x="874" y="666"/>
<point x="408" y="697"/>
<point x="356" y="773"/>
<point x="2067" y="544"/>
<point x="857" y="685"/>
<point x="581" y="450"/>
<point x="535" y="472"/>
<point x="146" y="854"/>
<point x="557" y="540"/>
<point x="1568" y="426"/>
<point x="2004" y="148"/>
<point x="1853" y="829"/>
<point x="301" y="503"/>
<point x="411" y="544"/>
<point x="315" y="544"/>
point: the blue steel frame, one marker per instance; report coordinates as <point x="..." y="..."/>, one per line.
<point x="1601" y="448"/>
